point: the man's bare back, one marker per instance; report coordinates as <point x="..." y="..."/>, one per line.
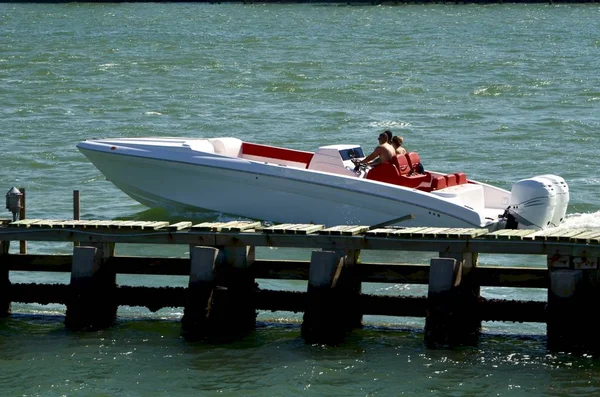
<point x="384" y="151"/>
<point x="387" y="151"/>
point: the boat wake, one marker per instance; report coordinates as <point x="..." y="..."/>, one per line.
<point x="577" y="221"/>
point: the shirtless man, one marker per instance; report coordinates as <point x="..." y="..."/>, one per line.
<point x="384" y="151"/>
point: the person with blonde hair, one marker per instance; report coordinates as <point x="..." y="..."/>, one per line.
<point x="397" y="144"/>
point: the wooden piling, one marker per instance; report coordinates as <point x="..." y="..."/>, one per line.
<point x="332" y="308"/>
<point x="231" y="310"/>
<point x="5" y="300"/>
<point x="92" y="303"/>
<point x="203" y="262"/>
<point x="442" y="301"/>
<point x="22" y="215"/>
<point x="76" y="205"/>
<point x="242" y="285"/>
<point x="76" y="211"/>
<point x="350" y="285"/>
<point x="568" y="313"/>
<point x="466" y="314"/>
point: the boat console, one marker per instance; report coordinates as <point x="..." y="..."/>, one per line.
<point x="336" y="159"/>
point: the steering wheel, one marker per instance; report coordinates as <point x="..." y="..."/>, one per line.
<point x="358" y="166"/>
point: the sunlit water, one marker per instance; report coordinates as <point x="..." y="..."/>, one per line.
<point x="501" y="92"/>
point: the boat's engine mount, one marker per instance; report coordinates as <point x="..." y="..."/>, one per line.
<point x="537" y="203"/>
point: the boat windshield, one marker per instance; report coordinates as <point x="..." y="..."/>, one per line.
<point x="349" y="154"/>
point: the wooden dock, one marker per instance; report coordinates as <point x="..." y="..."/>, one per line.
<point x="222" y="297"/>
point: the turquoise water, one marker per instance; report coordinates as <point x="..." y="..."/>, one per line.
<point x="501" y="92"/>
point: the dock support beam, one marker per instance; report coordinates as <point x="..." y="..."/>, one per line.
<point x="568" y="325"/>
<point x="221" y="305"/>
<point x="92" y="304"/>
<point x="333" y="301"/>
<point x="444" y="277"/>
<point x="452" y="317"/>
<point x="5" y="301"/>
<point x="203" y="264"/>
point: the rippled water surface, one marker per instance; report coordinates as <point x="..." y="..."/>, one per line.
<point x="502" y="92"/>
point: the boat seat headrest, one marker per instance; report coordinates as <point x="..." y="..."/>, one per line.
<point x="200" y="145"/>
<point x="230" y="147"/>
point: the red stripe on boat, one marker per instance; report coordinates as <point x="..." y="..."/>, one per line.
<point x="298" y="156"/>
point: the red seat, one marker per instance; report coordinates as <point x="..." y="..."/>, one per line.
<point x="414" y="161"/>
<point x="401" y="163"/>
<point x="384" y="172"/>
<point x="461" y="178"/>
<point x="450" y="180"/>
<point x="438" y="183"/>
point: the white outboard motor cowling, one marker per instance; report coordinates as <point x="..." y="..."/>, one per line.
<point x="533" y="203"/>
<point x="562" y="197"/>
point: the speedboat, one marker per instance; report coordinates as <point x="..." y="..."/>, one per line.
<point x="326" y="187"/>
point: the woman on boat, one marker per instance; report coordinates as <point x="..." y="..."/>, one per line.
<point x="397" y="144"/>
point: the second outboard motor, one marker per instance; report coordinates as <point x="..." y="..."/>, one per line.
<point x="562" y="197"/>
<point x="533" y="203"/>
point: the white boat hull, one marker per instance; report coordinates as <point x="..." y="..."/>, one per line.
<point x="167" y="173"/>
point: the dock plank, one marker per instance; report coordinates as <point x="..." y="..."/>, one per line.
<point x="591" y="236"/>
<point x="355" y="230"/>
<point x="155" y="225"/>
<point x="308" y="229"/>
<point x="571" y="234"/>
<point x="408" y="232"/>
<point x="509" y="234"/>
<point x="239" y="226"/>
<point x="302" y="228"/>
<point x="436" y="232"/>
<point x="430" y="232"/>
<point x="88" y="224"/>
<point x="284" y="228"/>
<point x="25" y="223"/>
<point x="208" y="226"/>
<point x="71" y="224"/>
<point x="179" y="226"/>
<point x="48" y="224"/>
<point x="421" y="232"/>
<point x="344" y="230"/>
<point x="466" y="233"/>
<point x="139" y="225"/>
<point x="98" y="224"/>
<point x="560" y="235"/>
<point x="293" y="228"/>
<point x="123" y="224"/>
<point x="380" y="232"/>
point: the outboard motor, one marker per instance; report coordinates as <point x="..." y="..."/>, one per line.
<point x="533" y="203"/>
<point x="562" y="197"/>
